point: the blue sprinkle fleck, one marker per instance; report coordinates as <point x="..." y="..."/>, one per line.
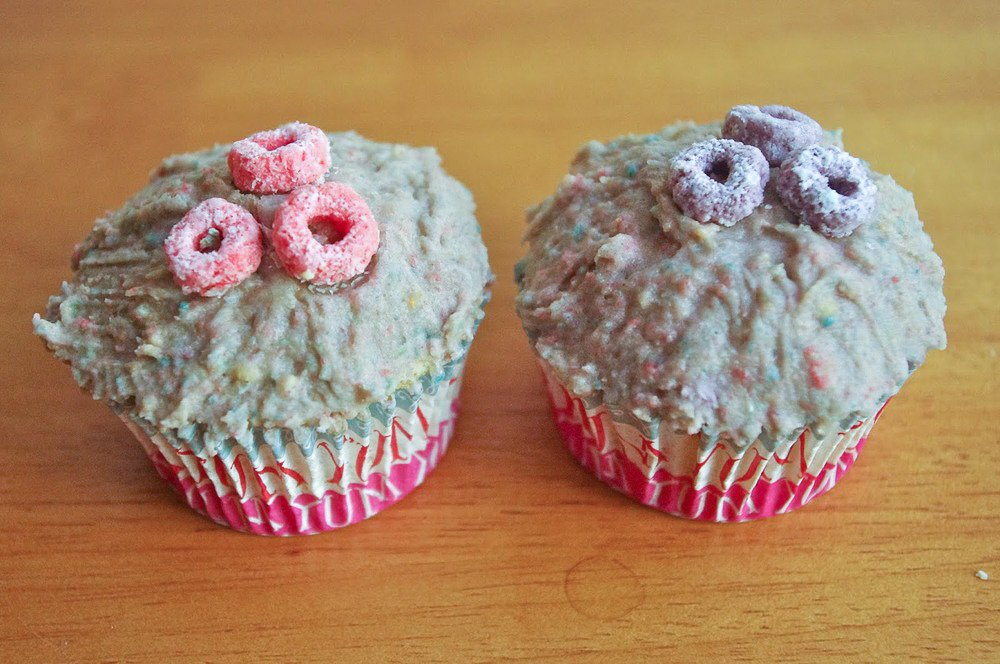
<point x="183" y="306"/>
<point x="632" y="170"/>
<point x="519" y="271"/>
<point x="578" y="232"/>
<point x="153" y="240"/>
<point x="828" y="321"/>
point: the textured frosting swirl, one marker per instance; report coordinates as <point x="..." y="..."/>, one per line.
<point x="272" y="352"/>
<point x="750" y="332"/>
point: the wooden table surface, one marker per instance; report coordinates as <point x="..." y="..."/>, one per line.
<point x="509" y="551"/>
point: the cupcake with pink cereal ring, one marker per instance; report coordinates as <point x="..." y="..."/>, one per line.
<point x="282" y="323"/>
<point x="721" y="312"/>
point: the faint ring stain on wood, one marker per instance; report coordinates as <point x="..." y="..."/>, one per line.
<point x="602" y="587"/>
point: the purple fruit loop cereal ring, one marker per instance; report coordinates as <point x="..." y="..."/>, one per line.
<point x="775" y="130"/>
<point x="279" y="160"/>
<point x="213" y="247"/>
<point x="718" y="180"/>
<point x="324" y="233"/>
<point x="827" y="189"/>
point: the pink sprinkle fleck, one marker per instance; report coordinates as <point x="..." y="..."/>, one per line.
<point x="741" y="375"/>
<point x="818" y="377"/>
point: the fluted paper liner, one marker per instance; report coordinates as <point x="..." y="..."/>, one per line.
<point x="675" y="474"/>
<point x="287" y="482"/>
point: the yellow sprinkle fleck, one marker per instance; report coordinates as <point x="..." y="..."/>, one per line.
<point x="705" y="235"/>
<point x="152" y="350"/>
<point x="247" y="372"/>
<point x="287" y="383"/>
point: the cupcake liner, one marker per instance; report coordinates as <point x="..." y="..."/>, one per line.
<point x="297" y="482"/>
<point x="673" y="473"/>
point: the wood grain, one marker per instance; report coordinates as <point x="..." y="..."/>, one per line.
<point x="510" y="551"/>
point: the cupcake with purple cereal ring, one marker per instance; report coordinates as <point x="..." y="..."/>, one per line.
<point x="722" y="311"/>
<point x="282" y="323"/>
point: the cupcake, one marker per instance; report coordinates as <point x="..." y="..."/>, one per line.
<point x="722" y="311"/>
<point x="282" y="323"/>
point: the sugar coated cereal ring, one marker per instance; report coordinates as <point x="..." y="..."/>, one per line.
<point x="827" y="189"/>
<point x="278" y="160"/>
<point x="213" y="247"/>
<point x="324" y="233"/>
<point x="718" y="180"/>
<point x="775" y="130"/>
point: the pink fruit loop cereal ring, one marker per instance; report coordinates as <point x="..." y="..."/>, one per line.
<point x="777" y="131"/>
<point x="827" y="189"/>
<point x="279" y="160"/>
<point x="718" y="180"/>
<point x="213" y="247"/>
<point x="324" y="233"/>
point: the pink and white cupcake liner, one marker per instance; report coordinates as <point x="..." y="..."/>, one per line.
<point x="324" y="482"/>
<point x="673" y="473"/>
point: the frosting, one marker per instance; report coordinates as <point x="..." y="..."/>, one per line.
<point x="748" y="332"/>
<point x="272" y="351"/>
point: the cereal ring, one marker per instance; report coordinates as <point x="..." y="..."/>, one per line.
<point x="827" y="189"/>
<point x="775" y="130"/>
<point x="324" y="233"/>
<point x="213" y="247"/>
<point x="278" y="160"/>
<point x="718" y="180"/>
